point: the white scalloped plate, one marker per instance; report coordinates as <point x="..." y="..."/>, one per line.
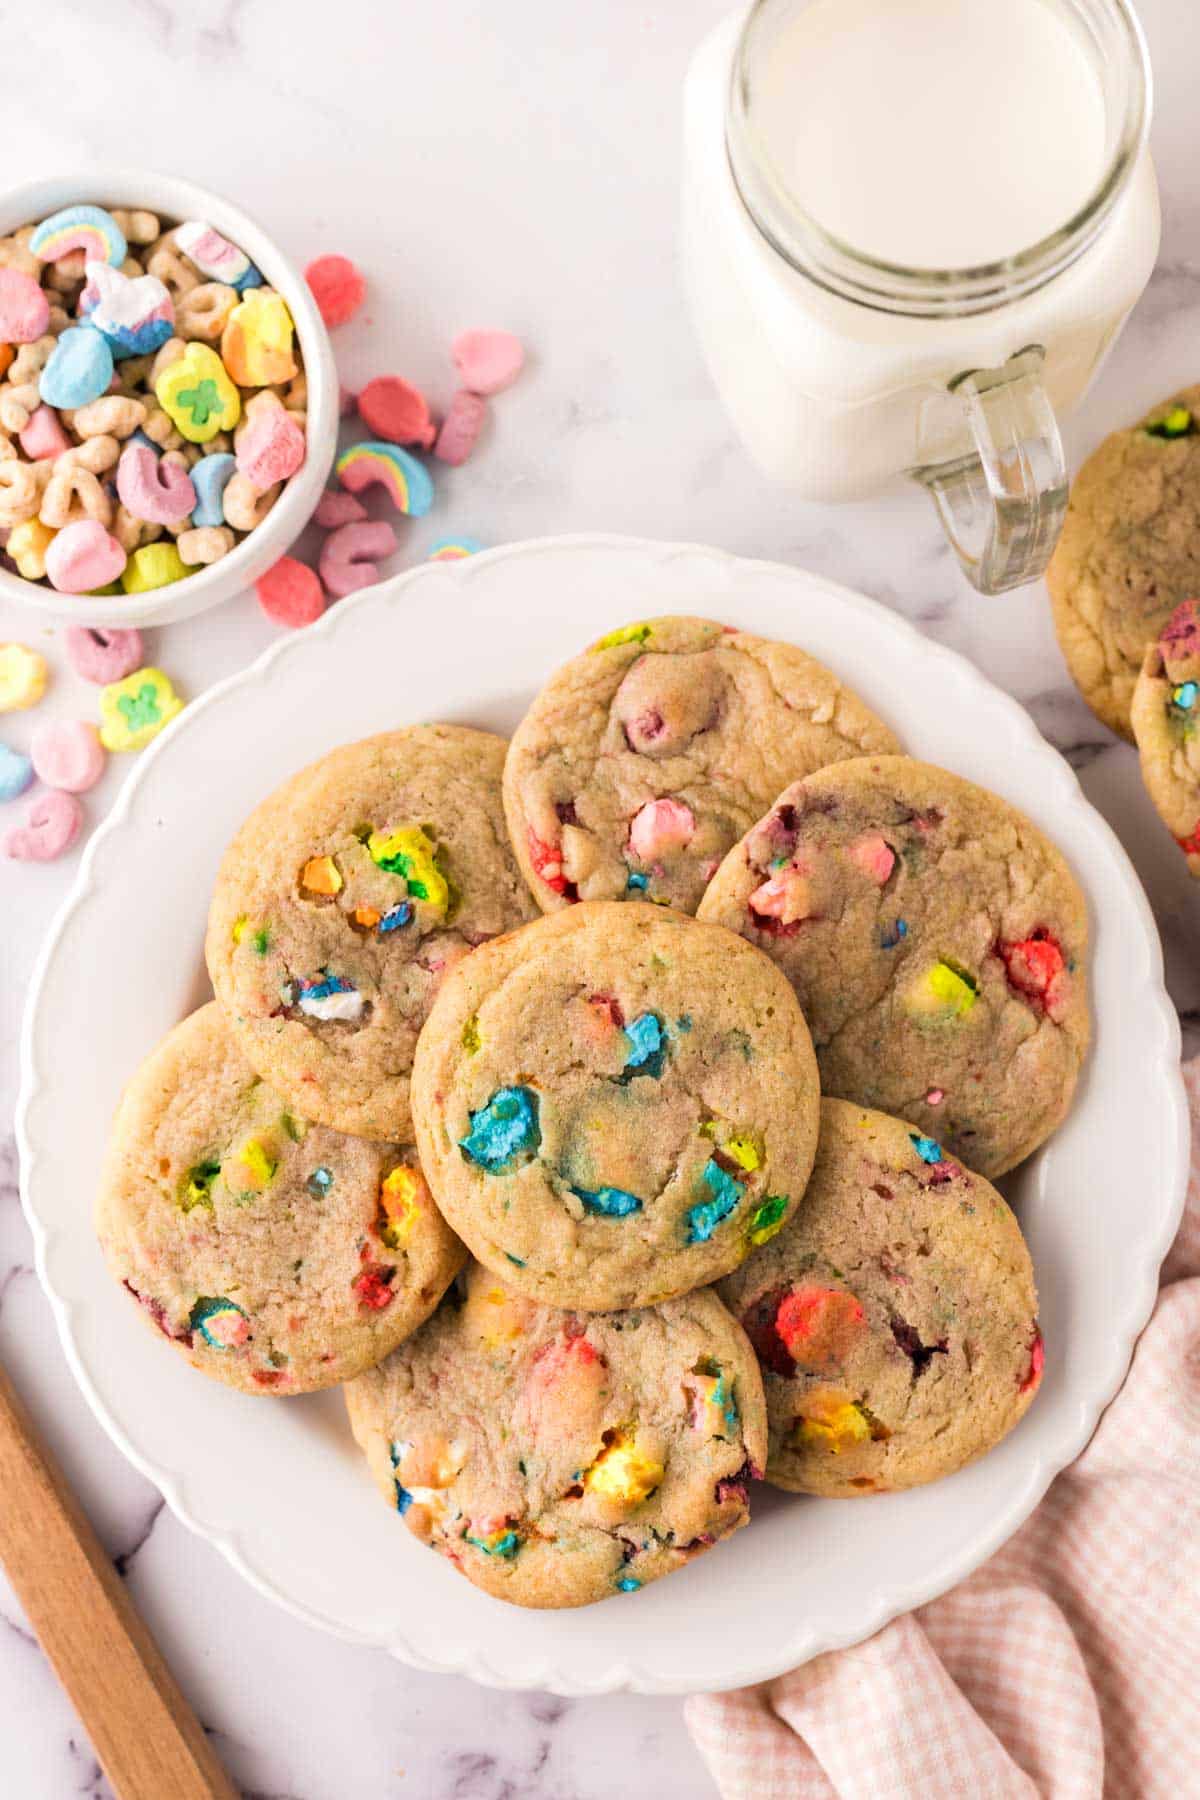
<point x="277" y="1484"/>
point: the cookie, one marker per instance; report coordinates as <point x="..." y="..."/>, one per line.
<point x="642" y="761"/>
<point x="1129" y="552"/>
<point x="340" y="905"/>
<point x="278" y="1256"/>
<point x="614" y="1104"/>
<point x="895" y="1317"/>
<point x="1165" y="711"/>
<point x="936" y="941"/>
<point x="558" y="1459"/>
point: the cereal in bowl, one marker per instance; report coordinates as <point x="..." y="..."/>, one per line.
<point x="153" y="401"/>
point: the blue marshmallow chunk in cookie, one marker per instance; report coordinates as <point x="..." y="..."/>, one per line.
<point x="608" y="1202"/>
<point x="648" y="1045"/>
<point x="703" y="1218"/>
<point x="503" y="1131"/>
<point x="221" y="1323"/>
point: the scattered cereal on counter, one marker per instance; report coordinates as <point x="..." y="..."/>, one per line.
<point x="290" y="593"/>
<point x="454" y="549"/>
<point x="16" y="773"/>
<point x="134" y="710"/>
<point x="395" y="410"/>
<point x="102" y="655"/>
<point x="338" y="287"/>
<point x="348" y="555"/>
<point x="51" y="827"/>
<point x="22" y="677"/>
<point x="406" y="481"/>
<point x="335" y="508"/>
<point x="67" y="754"/>
<point x="487" y="361"/>
<point x="460" y="428"/>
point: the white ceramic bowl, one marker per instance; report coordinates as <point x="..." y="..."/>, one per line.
<point x="279" y="1485"/>
<point x="178" y="200"/>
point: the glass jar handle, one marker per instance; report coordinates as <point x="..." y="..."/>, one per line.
<point x="1002" y="505"/>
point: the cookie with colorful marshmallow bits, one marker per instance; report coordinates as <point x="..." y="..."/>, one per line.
<point x="615" y="1105"/>
<point x="1129" y="552"/>
<point x="277" y="1256"/>
<point x="342" y="903"/>
<point x="894" y="1317"/>
<point x="1164" y="715"/>
<point x="558" y="1459"/>
<point x="642" y="761"/>
<point x="936" y="941"/>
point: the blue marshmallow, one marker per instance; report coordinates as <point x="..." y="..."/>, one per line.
<point x="79" y="370"/>
<point x="608" y="1202"/>
<point x="702" y="1219"/>
<point x="503" y="1130"/>
<point x="210" y="476"/>
<point x="16" y="773"/>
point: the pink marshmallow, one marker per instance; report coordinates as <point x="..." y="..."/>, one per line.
<point x="51" y="826"/>
<point x="786" y="897"/>
<point x="44" y="435"/>
<point x="336" y="508"/>
<point x="68" y="754"/>
<point x="271" y="450"/>
<point x="873" y="856"/>
<point x="660" y="827"/>
<point x="102" y="656"/>
<point x="151" y="489"/>
<point x="487" y="360"/>
<point x="83" y="557"/>
<point x="348" y="555"/>
<point x="24" y="308"/>
<point x="460" y="428"/>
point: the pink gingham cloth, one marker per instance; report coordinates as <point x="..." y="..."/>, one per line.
<point x="1066" y="1668"/>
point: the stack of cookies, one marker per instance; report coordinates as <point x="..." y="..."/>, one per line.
<point x="558" y="1197"/>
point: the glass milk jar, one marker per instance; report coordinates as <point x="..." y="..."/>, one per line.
<point x="912" y="230"/>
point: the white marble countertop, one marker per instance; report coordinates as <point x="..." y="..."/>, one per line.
<point x="513" y="166"/>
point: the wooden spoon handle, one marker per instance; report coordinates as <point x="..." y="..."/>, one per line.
<point x="147" y="1738"/>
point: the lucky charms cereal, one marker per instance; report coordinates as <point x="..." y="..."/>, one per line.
<point x="131" y="349"/>
<point x="50" y="828"/>
<point x="22" y="677"/>
<point x="134" y="710"/>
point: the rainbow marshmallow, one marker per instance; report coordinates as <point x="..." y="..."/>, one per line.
<point x="86" y="228"/>
<point x="453" y="549"/>
<point x="405" y="480"/>
<point x="136" y="316"/>
<point x="215" y="256"/>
